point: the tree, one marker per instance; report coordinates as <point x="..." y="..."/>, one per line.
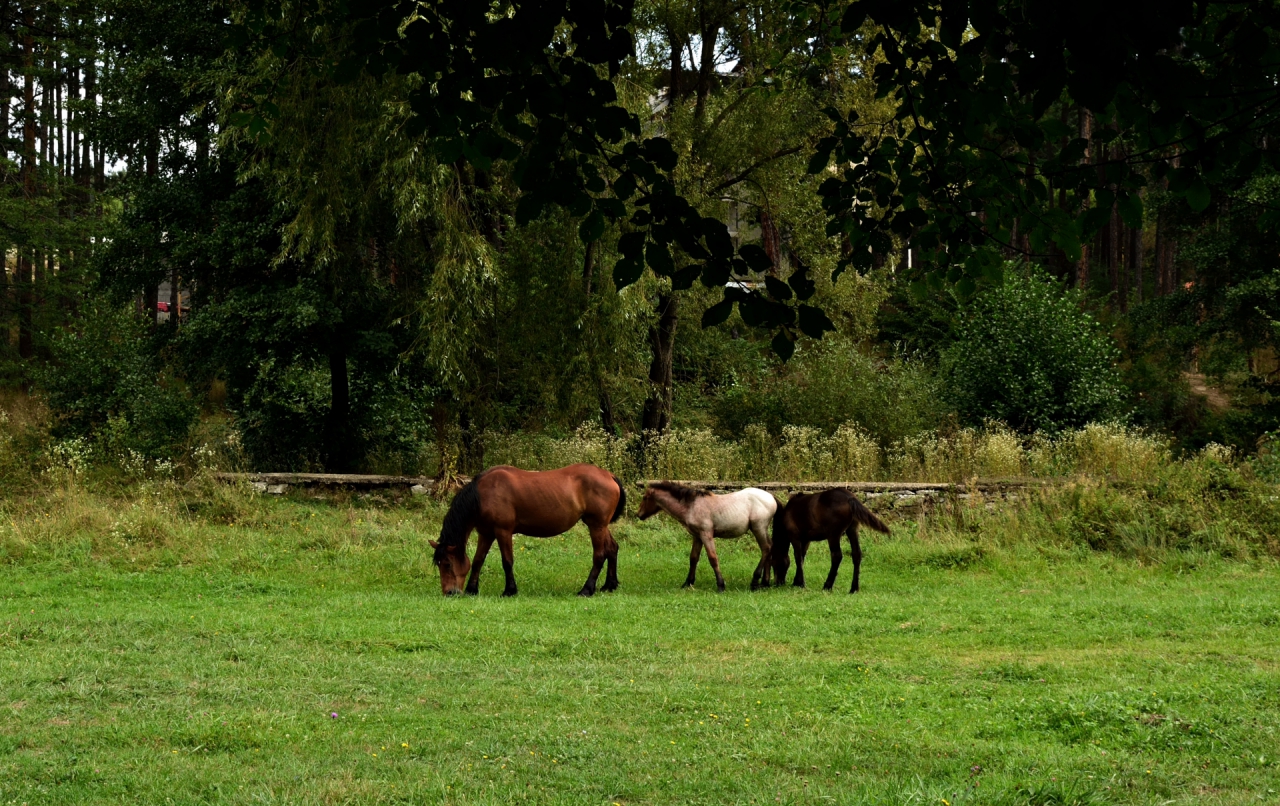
<point x="1025" y="354"/>
<point x="984" y="149"/>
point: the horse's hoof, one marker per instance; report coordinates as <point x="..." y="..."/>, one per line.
<point x="509" y="592"/>
<point x="586" y="592"/>
<point x="609" y="588"/>
<point x="472" y="592"/>
<point x="687" y="585"/>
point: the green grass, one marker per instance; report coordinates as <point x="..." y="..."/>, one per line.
<point x="204" y="663"/>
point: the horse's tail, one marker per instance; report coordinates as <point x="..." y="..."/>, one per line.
<point x="460" y="518"/>
<point x="621" y="509"/>
<point x="780" y="541"/>
<point x="864" y="516"/>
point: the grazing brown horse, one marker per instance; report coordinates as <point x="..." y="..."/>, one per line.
<point x="821" y="516"/>
<point x="503" y="501"/>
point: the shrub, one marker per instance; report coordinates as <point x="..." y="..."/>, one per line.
<point x="830" y="383"/>
<point x="1027" y="355"/>
<point x="104" y="384"/>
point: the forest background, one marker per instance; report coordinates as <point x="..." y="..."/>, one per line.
<point x="351" y="285"/>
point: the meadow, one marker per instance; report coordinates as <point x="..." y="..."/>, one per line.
<point x="215" y="647"/>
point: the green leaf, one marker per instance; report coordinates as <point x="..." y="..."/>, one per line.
<point x="528" y="208"/>
<point x="626" y="271"/>
<point x="1198" y="195"/>
<point x="783" y="346"/>
<point x="757" y="259"/>
<point x="777" y="289"/>
<point x="1130" y="207"/>
<point x="814" y="322"/>
<point x="717" y="313"/>
<point x="659" y="259"/>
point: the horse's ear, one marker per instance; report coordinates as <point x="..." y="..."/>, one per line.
<point x="434" y="544"/>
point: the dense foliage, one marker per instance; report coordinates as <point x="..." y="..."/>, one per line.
<point x="1025" y="354"/>
<point x="389" y="235"/>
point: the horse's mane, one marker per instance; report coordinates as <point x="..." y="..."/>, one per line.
<point x="460" y="518"/>
<point x="683" y="494"/>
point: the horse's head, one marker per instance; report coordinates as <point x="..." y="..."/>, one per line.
<point x="454" y="565"/>
<point x="649" y="505"/>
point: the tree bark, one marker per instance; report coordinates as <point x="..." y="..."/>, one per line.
<point x="25" y="267"/>
<point x="151" y="292"/>
<point x="677" y="64"/>
<point x="656" y="416"/>
<point x="1135" y="261"/>
<point x="707" y="65"/>
<point x="588" y="267"/>
<point x="1082" y="265"/>
<point x="338" y="424"/>
<point x="771" y="241"/>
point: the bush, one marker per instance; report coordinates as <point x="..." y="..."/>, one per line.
<point x="831" y="383"/>
<point x="105" y="385"/>
<point x="1027" y="355"/>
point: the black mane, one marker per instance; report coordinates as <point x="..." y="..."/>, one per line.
<point x="459" y="519"/>
<point x="683" y="494"/>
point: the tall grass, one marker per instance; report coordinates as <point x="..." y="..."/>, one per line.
<point x="1116" y="489"/>
<point x="849" y="454"/>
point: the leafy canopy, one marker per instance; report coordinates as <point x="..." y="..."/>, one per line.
<point x="989" y="97"/>
<point x="528" y="83"/>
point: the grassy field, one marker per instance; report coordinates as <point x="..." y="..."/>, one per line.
<point x="300" y="652"/>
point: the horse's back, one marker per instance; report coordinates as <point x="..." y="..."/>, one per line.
<point x="763" y="504"/>
<point x="543" y="503"/>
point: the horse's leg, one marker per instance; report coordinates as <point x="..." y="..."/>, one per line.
<point x="508" y="560"/>
<point x="695" y="553"/>
<point x="611" y="564"/>
<point x="709" y="543"/>
<point x="855" y="547"/>
<point x="801" y="548"/>
<point x="484" y="540"/>
<point x="600" y="541"/>
<point x="760" y="579"/>
<point x="836" y="557"/>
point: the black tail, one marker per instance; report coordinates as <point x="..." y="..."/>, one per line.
<point x="460" y="517"/>
<point x="622" y="501"/>
<point x="865" y="516"/>
<point x="780" y="545"/>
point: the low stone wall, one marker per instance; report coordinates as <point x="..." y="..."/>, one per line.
<point x="898" y="496"/>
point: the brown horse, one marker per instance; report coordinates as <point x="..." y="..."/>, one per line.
<point x="821" y="516"/>
<point x="504" y="500"/>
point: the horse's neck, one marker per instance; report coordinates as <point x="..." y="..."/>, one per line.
<point x="674" y="507"/>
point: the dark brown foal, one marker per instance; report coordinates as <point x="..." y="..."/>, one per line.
<point x="821" y="516"/>
<point x="503" y="501"/>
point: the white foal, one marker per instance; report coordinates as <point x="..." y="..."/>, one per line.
<point x="708" y="516"/>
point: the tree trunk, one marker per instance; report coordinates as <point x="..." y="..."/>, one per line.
<point x="771" y="241"/>
<point x="151" y="292"/>
<point x="337" y="427"/>
<point x="1117" y="277"/>
<point x="1082" y="265"/>
<point x="707" y="65"/>
<point x="677" y="64"/>
<point x="25" y="267"/>
<point x="662" y="339"/>
<point x="1135" y="261"/>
